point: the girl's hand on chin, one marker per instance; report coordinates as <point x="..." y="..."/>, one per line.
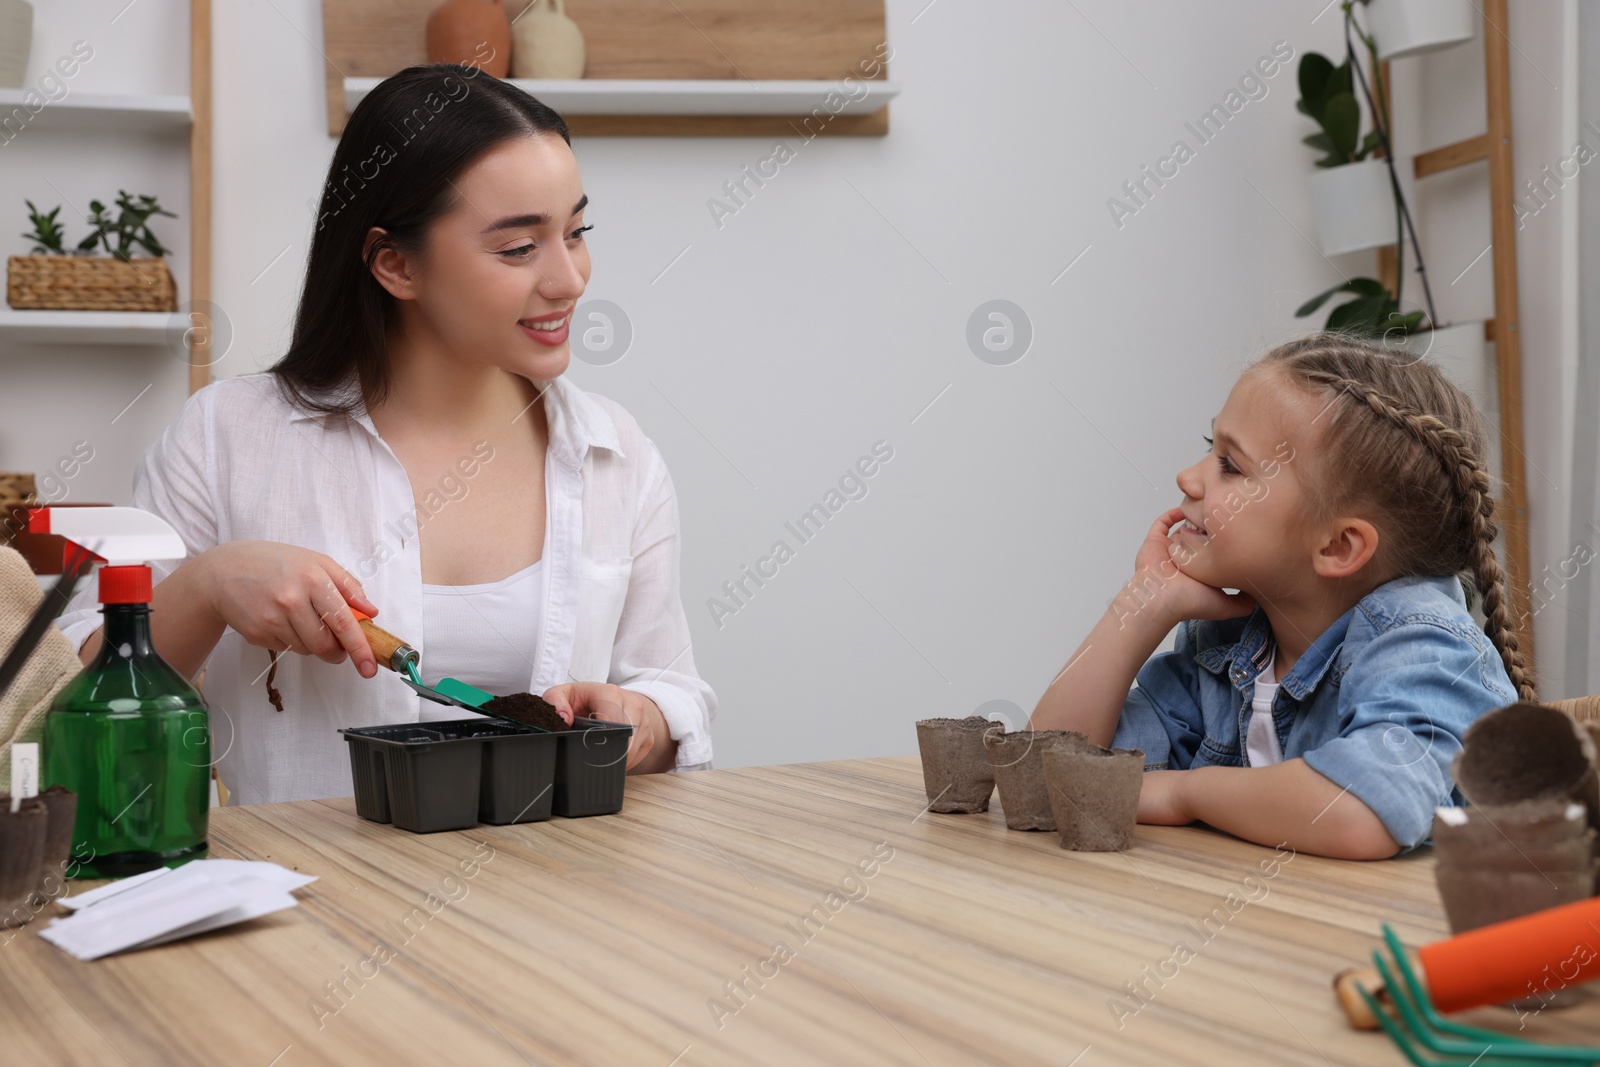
<point x="1159" y="585"/>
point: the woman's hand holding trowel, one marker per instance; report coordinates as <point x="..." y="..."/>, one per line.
<point x="289" y="599"/>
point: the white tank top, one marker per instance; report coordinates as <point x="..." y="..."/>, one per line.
<point x="484" y="635"/>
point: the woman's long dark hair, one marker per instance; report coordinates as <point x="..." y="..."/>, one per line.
<point x="403" y="147"/>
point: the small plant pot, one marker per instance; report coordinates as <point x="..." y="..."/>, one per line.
<point x="1019" y="773"/>
<point x="1535" y="831"/>
<point x="22" y="842"/>
<point x="1353" y="206"/>
<point x="62" y="805"/>
<point x="1507" y="855"/>
<point x="1094" y="795"/>
<point x="1413" y="27"/>
<point x="956" y="772"/>
<point x="1475" y="897"/>
<point x="1528" y="752"/>
<point x="1460" y="351"/>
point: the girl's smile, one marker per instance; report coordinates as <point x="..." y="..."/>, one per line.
<point x="1243" y="508"/>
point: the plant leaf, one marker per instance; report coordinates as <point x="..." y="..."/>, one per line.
<point x="1361" y="315"/>
<point x="1342" y="119"/>
<point x="1315" y="302"/>
<point x="1359" y="286"/>
<point x="1314" y="73"/>
<point x="1408" y="322"/>
<point x="1341" y="81"/>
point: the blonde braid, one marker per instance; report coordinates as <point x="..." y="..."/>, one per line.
<point x="1459" y="459"/>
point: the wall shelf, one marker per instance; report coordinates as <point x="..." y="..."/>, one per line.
<point x="672" y="96"/>
<point x="85" y="327"/>
<point x="141" y="113"/>
<point x="734" y="68"/>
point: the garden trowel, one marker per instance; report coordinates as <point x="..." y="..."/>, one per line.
<point x="404" y="660"/>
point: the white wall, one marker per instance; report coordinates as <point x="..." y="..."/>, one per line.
<point x="829" y="312"/>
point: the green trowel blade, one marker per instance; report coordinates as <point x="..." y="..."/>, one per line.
<point x="448" y="691"/>
<point x="461" y="693"/>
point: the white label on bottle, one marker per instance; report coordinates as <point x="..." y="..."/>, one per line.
<point x="24" y="772"/>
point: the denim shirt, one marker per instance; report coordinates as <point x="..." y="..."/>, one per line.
<point x="1377" y="704"/>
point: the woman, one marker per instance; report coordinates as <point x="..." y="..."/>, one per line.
<point x="417" y="456"/>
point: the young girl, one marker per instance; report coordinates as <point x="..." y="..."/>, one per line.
<point x="417" y="450"/>
<point x="1322" y="704"/>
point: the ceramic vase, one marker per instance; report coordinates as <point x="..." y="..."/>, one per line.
<point x="546" y="43"/>
<point x="475" y="33"/>
<point x="16" y="39"/>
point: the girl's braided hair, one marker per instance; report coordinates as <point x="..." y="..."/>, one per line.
<point x="1400" y="439"/>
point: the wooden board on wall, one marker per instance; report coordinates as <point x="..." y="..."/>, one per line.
<point x="689" y="39"/>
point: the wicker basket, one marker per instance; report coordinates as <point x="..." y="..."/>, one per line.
<point x="89" y="283"/>
<point x="18" y="491"/>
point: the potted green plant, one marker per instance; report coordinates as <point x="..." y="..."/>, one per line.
<point x="54" y="278"/>
<point x="1351" y="198"/>
<point x="1327" y="95"/>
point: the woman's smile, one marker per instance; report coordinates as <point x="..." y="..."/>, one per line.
<point x="550" y="332"/>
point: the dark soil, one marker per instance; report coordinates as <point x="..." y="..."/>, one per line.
<point x="526" y="708"/>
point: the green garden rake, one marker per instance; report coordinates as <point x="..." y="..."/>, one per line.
<point x="1514" y="960"/>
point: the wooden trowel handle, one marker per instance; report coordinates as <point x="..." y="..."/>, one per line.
<point x="392" y="652"/>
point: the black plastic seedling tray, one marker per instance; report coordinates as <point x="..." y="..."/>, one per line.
<point x="454" y="774"/>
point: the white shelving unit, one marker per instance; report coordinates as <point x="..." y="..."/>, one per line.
<point x="141" y="113"/>
<point x="681" y="96"/>
<point x="96" y="112"/>
<point x="145" y="114"/>
<point x="84" y="327"/>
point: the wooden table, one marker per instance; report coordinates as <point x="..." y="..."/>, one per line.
<point x="651" y="937"/>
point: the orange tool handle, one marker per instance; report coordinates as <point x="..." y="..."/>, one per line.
<point x="1511" y="959"/>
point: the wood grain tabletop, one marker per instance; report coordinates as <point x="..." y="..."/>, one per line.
<point x="805" y="913"/>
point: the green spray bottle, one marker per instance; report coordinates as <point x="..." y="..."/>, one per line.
<point x="129" y="734"/>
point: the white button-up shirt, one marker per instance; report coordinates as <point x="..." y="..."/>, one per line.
<point x="241" y="463"/>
